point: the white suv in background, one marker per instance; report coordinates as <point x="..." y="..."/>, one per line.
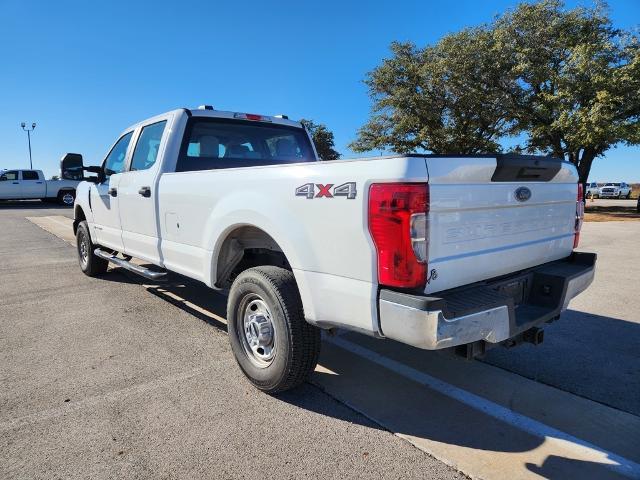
<point x="615" y="190"/>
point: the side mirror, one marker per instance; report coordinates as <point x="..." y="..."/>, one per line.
<point x="99" y="171"/>
<point x="71" y="167"/>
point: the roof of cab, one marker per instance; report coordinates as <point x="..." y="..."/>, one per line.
<point x="201" y="112"/>
<point x="212" y="113"/>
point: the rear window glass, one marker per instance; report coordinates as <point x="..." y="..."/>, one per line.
<point x="212" y="143"/>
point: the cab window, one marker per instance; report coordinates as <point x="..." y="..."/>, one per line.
<point x="146" y="152"/>
<point x="13" y="175"/>
<point x="218" y="143"/>
<point x="115" y="161"/>
<point x="30" y="175"/>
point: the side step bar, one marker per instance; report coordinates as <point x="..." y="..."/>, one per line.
<point x="142" y="271"/>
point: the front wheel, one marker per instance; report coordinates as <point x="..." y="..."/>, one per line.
<point x="90" y="264"/>
<point x="273" y="344"/>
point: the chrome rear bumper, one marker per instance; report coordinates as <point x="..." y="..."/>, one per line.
<point x="493" y="311"/>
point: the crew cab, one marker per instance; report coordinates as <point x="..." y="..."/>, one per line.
<point x="615" y="190"/>
<point x="31" y="185"/>
<point x="432" y="251"/>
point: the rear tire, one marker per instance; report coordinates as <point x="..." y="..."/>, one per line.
<point x="67" y="197"/>
<point x="272" y="342"/>
<point x="89" y="263"/>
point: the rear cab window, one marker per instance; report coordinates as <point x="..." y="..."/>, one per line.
<point x="218" y="143"/>
<point x="146" y="151"/>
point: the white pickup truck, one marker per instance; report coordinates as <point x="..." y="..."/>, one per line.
<point x="615" y="190"/>
<point x="432" y="251"/>
<point x="31" y="185"/>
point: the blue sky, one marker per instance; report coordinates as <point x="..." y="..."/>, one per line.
<point x="85" y="70"/>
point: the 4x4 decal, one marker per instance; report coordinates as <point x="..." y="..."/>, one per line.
<point x="308" y="190"/>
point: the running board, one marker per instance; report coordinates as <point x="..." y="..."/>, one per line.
<point x="142" y="271"/>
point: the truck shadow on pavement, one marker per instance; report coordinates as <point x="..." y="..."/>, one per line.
<point x="556" y="468"/>
<point x="462" y="426"/>
<point x="32" y="205"/>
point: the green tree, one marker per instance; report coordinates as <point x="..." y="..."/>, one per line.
<point x="436" y="98"/>
<point x="323" y="140"/>
<point x="566" y="80"/>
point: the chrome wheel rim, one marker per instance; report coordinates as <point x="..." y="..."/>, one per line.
<point x="257" y="331"/>
<point x="83" y="248"/>
<point x="67" y="199"/>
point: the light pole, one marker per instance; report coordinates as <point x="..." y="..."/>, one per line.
<point x="29" y="130"/>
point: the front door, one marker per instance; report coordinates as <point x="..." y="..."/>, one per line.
<point x="137" y="193"/>
<point x="105" y="196"/>
<point x="32" y="185"/>
<point x="10" y="185"/>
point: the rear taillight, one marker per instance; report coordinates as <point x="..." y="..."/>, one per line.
<point x="398" y="226"/>
<point x="579" y="215"/>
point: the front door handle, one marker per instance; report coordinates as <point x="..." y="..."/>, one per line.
<point x="145" y="191"/>
<point x="16" y="183"/>
<point x="113" y="191"/>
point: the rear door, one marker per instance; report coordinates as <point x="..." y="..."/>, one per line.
<point x="138" y="194"/>
<point x="490" y="217"/>
<point x="32" y="184"/>
<point x="10" y="185"/>
<point x="104" y="196"/>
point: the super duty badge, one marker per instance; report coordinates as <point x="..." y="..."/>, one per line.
<point x="308" y="190"/>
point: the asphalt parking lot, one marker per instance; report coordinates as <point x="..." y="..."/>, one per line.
<point x="112" y="378"/>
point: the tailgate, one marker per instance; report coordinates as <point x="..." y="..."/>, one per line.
<point x="493" y="216"/>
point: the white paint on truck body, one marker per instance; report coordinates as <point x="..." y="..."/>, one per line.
<point x="479" y="230"/>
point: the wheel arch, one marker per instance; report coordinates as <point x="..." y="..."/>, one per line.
<point x="78" y="216"/>
<point x="242" y="246"/>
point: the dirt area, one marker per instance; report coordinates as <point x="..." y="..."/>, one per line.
<point x="610" y="213"/>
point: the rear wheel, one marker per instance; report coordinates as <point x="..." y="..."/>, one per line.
<point x="67" y="197"/>
<point x="90" y="264"/>
<point x="273" y="344"/>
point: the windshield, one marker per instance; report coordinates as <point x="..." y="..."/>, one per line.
<point x="612" y="185"/>
<point x="214" y="143"/>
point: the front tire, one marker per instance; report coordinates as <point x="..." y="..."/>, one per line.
<point x="273" y="344"/>
<point x="90" y="264"/>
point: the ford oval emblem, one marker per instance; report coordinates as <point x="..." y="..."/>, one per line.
<point x="522" y="194"/>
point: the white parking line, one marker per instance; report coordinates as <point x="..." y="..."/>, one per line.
<point x="608" y="459"/>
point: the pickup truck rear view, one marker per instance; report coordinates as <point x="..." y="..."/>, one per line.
<point x="432" y="251"/>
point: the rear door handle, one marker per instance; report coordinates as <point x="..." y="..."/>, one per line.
<point x="113" y="191"/>
<point x="145" y="191"/>
<point x="16" y="183"/>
